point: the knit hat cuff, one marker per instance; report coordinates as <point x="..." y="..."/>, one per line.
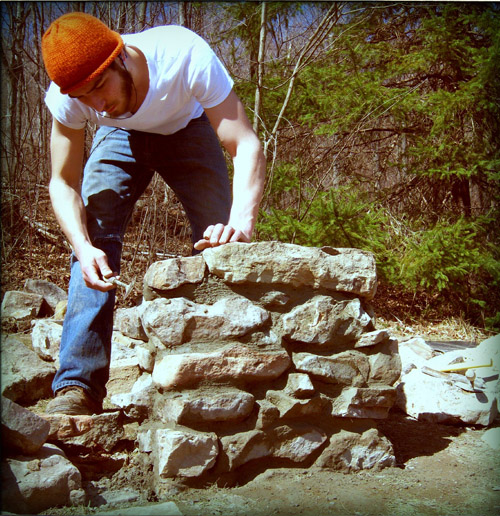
<point x="96" y="73"/>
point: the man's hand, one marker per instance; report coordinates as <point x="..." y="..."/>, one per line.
<point x="218" y="235"/>
<point x="94" y="264"/>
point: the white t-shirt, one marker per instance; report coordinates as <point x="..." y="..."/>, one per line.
<point x="185" y="76"/>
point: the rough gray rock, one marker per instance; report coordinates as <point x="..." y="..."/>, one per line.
<point x="364" y="402"/>
<point x="25" y="377"/>
<point x="46" y="339"/>
<point x="170" y="274"/>
<point x="98" y="432"/>
<point x="22" y="430"/>
<point x="35" y="483"/>
<point x="128" y="322"/>
<point x="183" y="452"/>
<point x="325" y="321"/>
<point x="206" y="405"/>
<point x="437" y="400"/>
<point x="352" y="451"/>
<point x="21" y="305"/>
<point x="50" y="292"/>
<point x="171" y="322"/>
<point x="346" y="368"/>
<point x="339" y="270"/>
<point x="233" y="363"/>
<point x="430" y="394"/>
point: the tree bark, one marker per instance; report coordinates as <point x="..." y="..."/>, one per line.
<point x="260" y="66"/>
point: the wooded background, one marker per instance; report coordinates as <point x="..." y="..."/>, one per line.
<point x="380" y="123"/>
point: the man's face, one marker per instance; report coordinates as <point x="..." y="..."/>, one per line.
<point x="110" y="93"/>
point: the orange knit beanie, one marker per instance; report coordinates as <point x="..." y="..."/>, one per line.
<point x="77" y="48"/>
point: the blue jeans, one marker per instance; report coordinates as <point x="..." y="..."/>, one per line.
<point x="120" y="167"/>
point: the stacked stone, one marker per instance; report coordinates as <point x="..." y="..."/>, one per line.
<point x="259" y="354"/>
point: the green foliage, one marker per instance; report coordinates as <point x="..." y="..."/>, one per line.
<point x="442" y="256"/>
<point x="339" y="218"/>
<point x="406" y="99"/>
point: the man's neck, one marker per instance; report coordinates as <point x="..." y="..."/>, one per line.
<point x="136" y="64"/>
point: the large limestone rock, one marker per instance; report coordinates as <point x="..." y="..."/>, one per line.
<point x="385" y="367"/>
<point x="22" y="430"/>
<point x="299" y="385"/>
<point x="128" y="322"/>
<point x="125" y="364"/>
<point x="172" y="322"/>
<point x="26" y="378"/>
<point x="355" y="451"/>
<point x="99" y="432"/>
<point x="21" y="305"/>
<point x="206" y="405"/>
<point x="433" y="386"/>
<point x="180" y="451"/>
<point x="347" y="368"/>
<point x="291" y="407"/>
<point x="46" y="338"/>
<point x="341" y="270"/>
<point x="372" y="338"/>
<point x="295" y="442"/>
<point x="364" y="402"/>
<point x="414" y="353"/>
<point x="322" y="320"/>
<point x="50" y="292"/>
<point x="170" y="274"/>
<point x="31" y="484"/>
<point x="138" y="403"/>
<point x="428" y="398"/>
<point x="240" y="448"/>
<point x="233" y="363"/>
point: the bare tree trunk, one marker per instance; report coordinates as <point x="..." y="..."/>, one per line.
<point x="142" y="16"/>
<point x="183" y="13"/>
<point x="320" y="34"/>
<point x="260" y="65"/>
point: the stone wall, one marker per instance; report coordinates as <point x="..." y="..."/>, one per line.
<point x="243" y="358"/>
<point x="258" y="355"/>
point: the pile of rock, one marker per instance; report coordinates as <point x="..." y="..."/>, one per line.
<point x="245" y="357"/>
<point x="461" y="386"/>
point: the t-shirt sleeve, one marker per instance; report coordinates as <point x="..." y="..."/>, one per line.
<point x="208" y="79"/>
<point x="64" y="109"/>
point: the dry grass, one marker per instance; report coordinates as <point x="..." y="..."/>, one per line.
<point x="449" y="329"/>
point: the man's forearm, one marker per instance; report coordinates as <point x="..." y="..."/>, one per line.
<point x="70" y="213"/>
<point x="248" y="186"/>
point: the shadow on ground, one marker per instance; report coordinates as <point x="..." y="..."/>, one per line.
<point x="411" y="438"/>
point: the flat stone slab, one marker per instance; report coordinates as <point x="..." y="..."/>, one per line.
<point x="336" y="269"/>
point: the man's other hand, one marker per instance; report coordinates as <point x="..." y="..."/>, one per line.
<point x="218" y="235"/>
<point x="95" y="267"/>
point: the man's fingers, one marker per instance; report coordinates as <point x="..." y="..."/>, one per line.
<point x="95" y="269"/>
<point x="217" y="232"/>
<point x="220" y="234"/>
<point x="227" y="235"/>
<point x="202" y="244"/>
<point x="208" y="232"/>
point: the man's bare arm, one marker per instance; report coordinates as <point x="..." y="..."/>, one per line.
<point x="66" y="148"/>
<point x="238" y="137"/>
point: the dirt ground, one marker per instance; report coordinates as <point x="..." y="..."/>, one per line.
<point x="442" y="470"/>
